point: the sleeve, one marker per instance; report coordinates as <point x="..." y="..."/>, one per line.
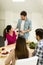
<point x="39" y="52"/>
<point x="15" y="33"/>
<point x="30" y="25"/>
<point x="18" y="24"/>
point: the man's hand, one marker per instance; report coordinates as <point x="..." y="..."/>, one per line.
<point x="23" y="31"/>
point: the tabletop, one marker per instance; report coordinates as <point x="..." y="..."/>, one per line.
<point x="8" y="48"/>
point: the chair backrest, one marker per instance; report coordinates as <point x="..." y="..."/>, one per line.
<point x="5" y="42"/>
<point x="28" y="61"/>
<point x="1" y="41"/>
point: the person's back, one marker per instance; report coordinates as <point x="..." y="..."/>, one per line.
<point x="21" y="50"/>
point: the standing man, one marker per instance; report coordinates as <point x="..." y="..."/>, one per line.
<point x="24" y="25"/>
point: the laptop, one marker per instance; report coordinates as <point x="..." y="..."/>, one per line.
<point x="27" y="61"/>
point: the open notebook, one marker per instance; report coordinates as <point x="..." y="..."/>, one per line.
<point x="28" y="61"/>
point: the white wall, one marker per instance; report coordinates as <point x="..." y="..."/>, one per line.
<point x="12" y="18"/>
<point x="2" y="21"/>
<point x="37" y="22"/>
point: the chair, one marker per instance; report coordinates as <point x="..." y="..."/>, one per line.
<point x="28" y="61"/>
<point x="5" y="42"/>
<point x="1" y="41"/>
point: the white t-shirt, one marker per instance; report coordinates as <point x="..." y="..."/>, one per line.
<point x="22" y="25"/>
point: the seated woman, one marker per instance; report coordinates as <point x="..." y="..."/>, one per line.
<point x="9" y="34"/>
<point x="20" y="51"/>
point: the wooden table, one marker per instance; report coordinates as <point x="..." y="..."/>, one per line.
<point x="2" y="59"/>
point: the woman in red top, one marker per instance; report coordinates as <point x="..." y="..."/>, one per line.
<point x="10" y="35"/>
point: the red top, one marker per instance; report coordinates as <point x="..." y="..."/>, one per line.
<point x="11" y="39"/>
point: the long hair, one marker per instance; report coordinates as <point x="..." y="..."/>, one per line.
<point x="6" y="30"/>
<point x="21" y="48"/>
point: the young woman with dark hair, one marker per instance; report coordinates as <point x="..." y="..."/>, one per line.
<point x="9" y="34"/>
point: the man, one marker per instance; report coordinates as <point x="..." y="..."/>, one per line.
<point x="24" y="25"/>
<point x="39" y="48"/>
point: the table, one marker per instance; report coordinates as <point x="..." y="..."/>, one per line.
<point x="2" y="59"/>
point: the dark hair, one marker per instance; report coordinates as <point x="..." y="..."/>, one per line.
<point x="39" y="32"/>
<point x="24" y="13"/>
<point x="6" y="30"/>
<point x="21" y="51"/>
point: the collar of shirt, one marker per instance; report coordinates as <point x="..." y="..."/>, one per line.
<point x="40" y="44"/>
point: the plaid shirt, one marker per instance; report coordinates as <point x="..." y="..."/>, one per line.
<point x="39" y="52"/>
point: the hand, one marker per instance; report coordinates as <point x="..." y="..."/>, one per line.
<point x="23" y="32"/>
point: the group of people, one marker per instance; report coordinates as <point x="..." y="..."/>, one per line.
<point x="21" y="51"/>
<point x="24" y="26"/>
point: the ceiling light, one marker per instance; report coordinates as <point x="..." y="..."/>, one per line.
<point x="18" y="0"/>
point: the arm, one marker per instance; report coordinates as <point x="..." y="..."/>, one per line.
<point x="38" y="51"/>
<point x="29" y="28"/>
<point x="10" y="58"/>
<point x="18" y="24"/>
